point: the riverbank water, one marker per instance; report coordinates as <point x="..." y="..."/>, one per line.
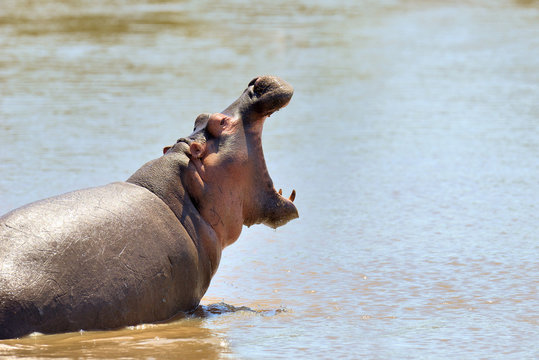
<point x="412" y="142"/>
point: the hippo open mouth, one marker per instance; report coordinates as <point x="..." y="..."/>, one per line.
<point x="226" y="151"/>
<point x="264" y="96"/>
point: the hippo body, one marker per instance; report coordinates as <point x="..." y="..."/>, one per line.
<point x="99" y="260"/>
<point x="143" y="250"/>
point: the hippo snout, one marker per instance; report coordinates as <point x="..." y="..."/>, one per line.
<point x="268" y="94"/>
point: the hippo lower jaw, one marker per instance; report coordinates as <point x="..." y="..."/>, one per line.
<point x="279" y="210"/>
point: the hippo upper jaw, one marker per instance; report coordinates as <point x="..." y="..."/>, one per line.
<point x="264" y="95"/>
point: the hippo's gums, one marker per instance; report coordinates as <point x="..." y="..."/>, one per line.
<point x="143" y="250"/>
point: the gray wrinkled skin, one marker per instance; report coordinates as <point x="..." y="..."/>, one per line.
<point x="143" y="250"/>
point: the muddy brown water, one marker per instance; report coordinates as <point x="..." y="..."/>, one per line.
<point x="412" y="141"/>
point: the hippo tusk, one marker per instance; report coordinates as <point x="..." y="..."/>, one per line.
<point x="292" y="196"/>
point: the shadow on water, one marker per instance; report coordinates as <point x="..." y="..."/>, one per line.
<point x="212" y="310"/>
<point x="186" y="335"/>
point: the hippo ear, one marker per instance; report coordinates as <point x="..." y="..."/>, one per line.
<point x="165" y="149"/>
<point x="197" y="150"/>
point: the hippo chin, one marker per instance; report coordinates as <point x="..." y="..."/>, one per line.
<point x="143" y="250"/>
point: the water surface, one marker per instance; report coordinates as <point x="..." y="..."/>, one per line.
<point x="412" y="141"/>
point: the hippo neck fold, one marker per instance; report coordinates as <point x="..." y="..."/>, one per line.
<point x="216" y="191"/>
<point x="163" y="177"/>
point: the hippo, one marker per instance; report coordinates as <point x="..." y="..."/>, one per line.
<point x="143" y="250"/>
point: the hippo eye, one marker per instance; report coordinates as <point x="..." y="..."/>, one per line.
<point x="222" y="121"/>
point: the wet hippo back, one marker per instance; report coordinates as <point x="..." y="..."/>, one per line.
<point x="96" y="258"/>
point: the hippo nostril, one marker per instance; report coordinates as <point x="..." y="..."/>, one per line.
<point x="253" y="81"/>
<point x="264" y="84"/>
<point x="268" y="94"/>
<point x="271" y="85"/>
<point x="264" y="95"/>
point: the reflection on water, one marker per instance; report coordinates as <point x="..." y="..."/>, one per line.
<point x="185" y="337"/>
<point x="412" y="142"/>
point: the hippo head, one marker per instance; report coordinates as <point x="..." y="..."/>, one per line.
<point x="226" y="176"/>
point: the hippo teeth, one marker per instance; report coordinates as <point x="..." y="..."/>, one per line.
<point x="292" y="196"/>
